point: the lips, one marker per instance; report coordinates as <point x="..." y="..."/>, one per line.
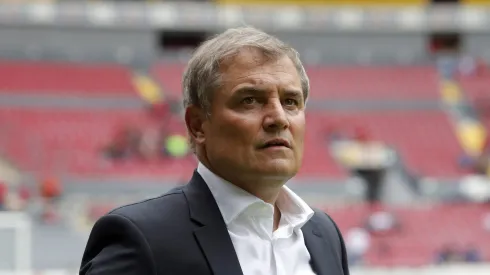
<point x="276" y="143"/>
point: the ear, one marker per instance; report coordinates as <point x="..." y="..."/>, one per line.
<point x="194" y="120"/>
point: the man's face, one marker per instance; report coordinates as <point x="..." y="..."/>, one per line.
<point x="257" y="123"/>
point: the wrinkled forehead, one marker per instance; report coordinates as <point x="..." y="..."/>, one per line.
<point x="255" y="67"/>
<point x="247" y="58"/>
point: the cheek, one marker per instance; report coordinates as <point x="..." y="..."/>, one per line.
<point x="234" y="132"/>
<point x="298" y="129"/>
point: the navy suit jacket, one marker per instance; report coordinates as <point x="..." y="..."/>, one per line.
<point x="183" y="233"/>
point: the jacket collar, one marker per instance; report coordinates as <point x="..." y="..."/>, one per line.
<point x="215" y="242"/>
<point x="212" y="233"/>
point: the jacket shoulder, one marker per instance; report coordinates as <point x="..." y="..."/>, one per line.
<point x="155" y="210"/>
<point x="332" y="232"/>
<point x="328" y="227"/>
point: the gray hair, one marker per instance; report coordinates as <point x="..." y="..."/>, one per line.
<point x="202" y="75"/>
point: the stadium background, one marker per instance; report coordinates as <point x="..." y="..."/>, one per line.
<point x="90" y="118"/>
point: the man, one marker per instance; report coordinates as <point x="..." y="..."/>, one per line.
<point x="244" y="93"/>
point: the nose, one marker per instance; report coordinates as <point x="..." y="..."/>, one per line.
<point x="275" y="118"/>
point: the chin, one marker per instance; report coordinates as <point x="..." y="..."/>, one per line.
<point x="279" y="168"/>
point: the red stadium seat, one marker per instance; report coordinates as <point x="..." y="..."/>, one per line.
<point x="373" y="83"/>
<point x="170" y="78"/>
<point x="70" y="79"/>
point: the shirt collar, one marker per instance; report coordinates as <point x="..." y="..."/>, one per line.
<point x="295" y="210"/>
<point x="232" y="200"/>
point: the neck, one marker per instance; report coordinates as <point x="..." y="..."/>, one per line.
<point x="264" y="188"/>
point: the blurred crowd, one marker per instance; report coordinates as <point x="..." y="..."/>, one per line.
<point x="451" y="253"/>
<point x="149" y="141"/>
<point x="451" y="66"/>
<point x="476" y="185"/>
<point x="45" y="194"/>
<point x="131" y="141"/>
<point x="359" y="152"/>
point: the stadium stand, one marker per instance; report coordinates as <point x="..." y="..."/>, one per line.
<point x="425" y="139"/>
<point x="417" y="112"/>
<point x="410" y="245"/>
<point x="71" y="140"/>
<point x="476" y="86"/>
<point x="373" y="83"/>
<point x="67" y="79"/>
<point x="50" y="140"/>
<point x="74" y="138"/>
<point x="169" y="76"/>
<point x="334" y="83"/>
<point x="77" y="135"/>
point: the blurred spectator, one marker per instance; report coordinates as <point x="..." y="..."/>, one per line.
<point x="448" y="254"/>
<point x="382" y="222"/>
<point x="18" y="198"/>
<point x="24" y="195"/>
<point x="125" y="144"/>
<point x="176" y="146"/>
<point x="467" y="65"/>
<point x="472" y="66"/>
<point x="372" y="174"/>
<point x="160" y="110"/>
<point x="147" y="143"/>
<point x="50" y="191"/>
<point x="472" y="254"/>
<point x="357" y="241"/>
<point x="50" y="188"/>
<point x="365" y="157"/>
<point x="3" y="196"/>
<point x="150" y="143"/>
<point x="476" y="186"/>
<point x="163" y="110"/>
<point x="451" y="254"/>
<point x="447" y="66"/>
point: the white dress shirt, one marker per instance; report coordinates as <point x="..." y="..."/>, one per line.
<point x="260" y="250"/>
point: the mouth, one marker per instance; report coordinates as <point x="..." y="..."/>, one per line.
<point x="276" y="143"/>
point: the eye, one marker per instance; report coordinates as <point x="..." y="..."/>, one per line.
<point x="291" y="102"/>
<point x="248" y="101"/>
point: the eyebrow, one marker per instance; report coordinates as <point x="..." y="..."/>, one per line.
<point x="250" y="90"/>
<point x="293" y="93"/>
<point x="261" y="91"/>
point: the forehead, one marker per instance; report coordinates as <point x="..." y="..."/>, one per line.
<point x="252" y="66"/>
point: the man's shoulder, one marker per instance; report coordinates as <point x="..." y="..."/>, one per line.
<point x="325" y="223"/>
<point x="167" y="207"/>
<point x="322" y="217"/>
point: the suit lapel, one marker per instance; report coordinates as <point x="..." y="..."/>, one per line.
<point x="323" y="259"/>
<point x="218" y="250"/>
<point x="211" y="233"/>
